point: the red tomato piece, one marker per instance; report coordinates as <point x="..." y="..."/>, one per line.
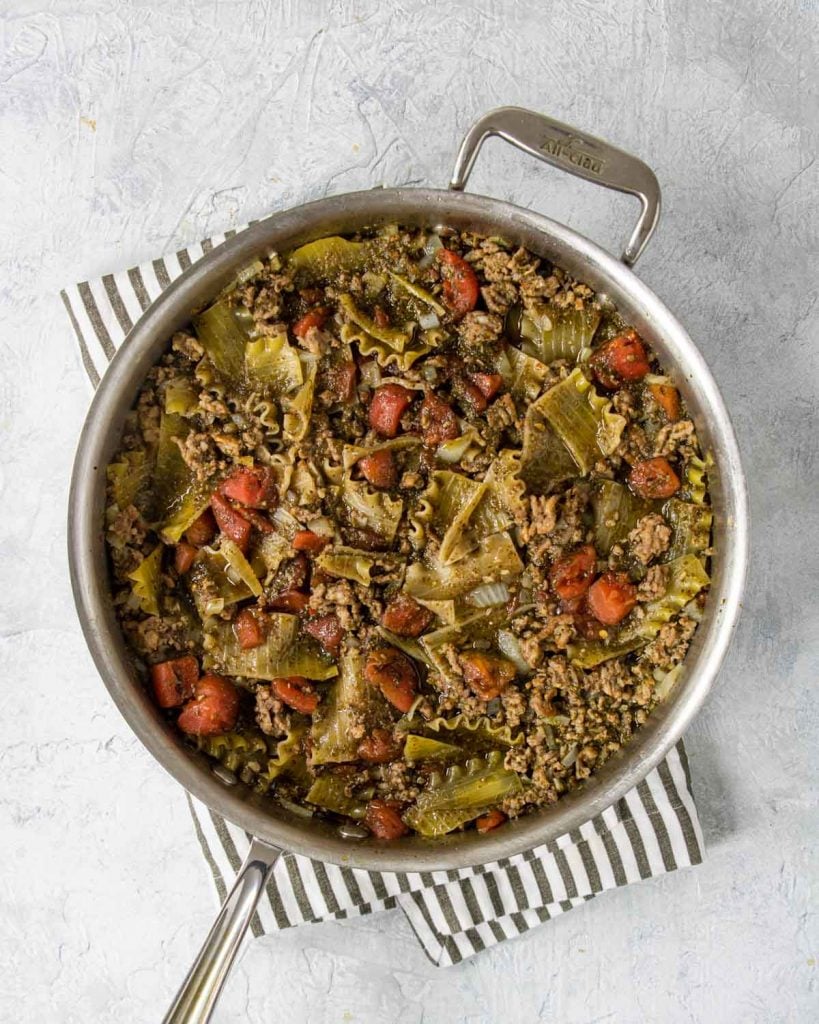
<point x="388" y="405"/>
<point x="487" y="674"/>
<point x="341" y="380"/>
<point x="653" y="479"/>
<point x="460" y="286"/>
<point x="315" y="318"/>
<point x="490" y="820"/>
<point x="248" y="630"/>
<point x="404" y="616"/>
<point x="620" y="360"/>
<point x="571" y="576"/>
<point x="183" y="556"/>
<point x="255" y="487"/>
<point x="668" y="399"/>
<point x="173" y="681"/>
<point x="379" y="469"/>
<point x="384" y="821"/>
<point x="489" y="384"/>
<point x="438" y="421"/>
<point x="471" y="394"/>
<point x="393" y="673"/>
<point x="296" y="693"/>
<point x="232" y="523"/>
<point x="306" y="540"/>
<point x="293" y="601"/>
<point x="381" y="316"/>
<point x="611" y="597"/>
<point x="213" y="710"/>
<point x="327" y="630"/>
<point x="379" y="747"/>
<point x="202" y="530"/>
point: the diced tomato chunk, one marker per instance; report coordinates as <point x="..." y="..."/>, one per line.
<point x="460" y="286"/>
<point x="489" y="384"/>
<point x="306" y="540"/>
<point x="393" y="673"/>
<point x="653" y="479"/>
<point x="232" y="523"/>
<point x="296" y="692"/>
<point x="668" y="399"/>
<point x="471" y="394"/>
<point x="379" y="469"/>
<point x="293" y="601"/>
<point x="341" y="380"/>
<point x="571" y="576"/>
<point x="255" y="487"/>
<point x="611" y="598"/>
<point x="439" y="422"/>
<point x="381" y="316"/>
<point x="315" y="318"/>
<point x="214" y="708"/>
<point x="619" y="361"/>
<point x="384" y="821"/>
<point x="487" y="674"/>
<point x="183" y="556"/>
<point x="202" y="530"/>
<point x="388" y="405"/>
<point x="248" y="629"/>
<point x="173" y="681"/>
<point x="490" y="820"/>
<point x="379" y="747"/>
<point x="327" y="629"/>
<point x="404" y="616"/>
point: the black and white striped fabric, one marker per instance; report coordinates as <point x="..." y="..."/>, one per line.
<point x="654" y="829"/>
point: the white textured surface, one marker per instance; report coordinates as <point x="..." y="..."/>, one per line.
<point x="128" y="128"/>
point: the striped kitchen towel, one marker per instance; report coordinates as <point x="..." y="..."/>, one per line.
<point x="652" y="830"/>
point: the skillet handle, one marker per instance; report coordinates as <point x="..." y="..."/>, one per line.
<point x="197" y="997"/>
<point x="570" y="150"/>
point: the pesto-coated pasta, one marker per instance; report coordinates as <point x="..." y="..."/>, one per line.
<point x="401" y="533"/>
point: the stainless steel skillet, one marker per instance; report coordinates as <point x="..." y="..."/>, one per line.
<point x="274" y="827"/>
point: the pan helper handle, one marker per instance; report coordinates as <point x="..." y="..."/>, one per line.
<point x="573" y="151"/>
<point x="197" y="997"/>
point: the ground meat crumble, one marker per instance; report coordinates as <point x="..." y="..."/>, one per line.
<point x="318" y="519"/>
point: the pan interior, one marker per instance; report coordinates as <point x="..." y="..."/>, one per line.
<point x="343" y="214"/>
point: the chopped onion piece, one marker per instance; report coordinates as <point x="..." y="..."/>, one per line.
<point x="510" y="646"/>
<point x="288" y="525"/>
<point x="488" y="594"/>
<point x="505" y="366"/>
<point x="322" y="526"/>
<point x="419" y="700"/>
<point x="371" y="373"/>
<point x="454" y="451"/>
<point x="431" y="247"/>
<point x="428" y="320"/>
<point x="569" y="757"/>
<point x="693" y="611"/>
<point x="666" y="681"/>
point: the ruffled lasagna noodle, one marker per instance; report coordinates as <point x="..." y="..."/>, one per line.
<point x="408" y="531"/>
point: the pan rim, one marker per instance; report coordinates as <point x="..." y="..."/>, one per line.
<point x="85" y="540"/>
